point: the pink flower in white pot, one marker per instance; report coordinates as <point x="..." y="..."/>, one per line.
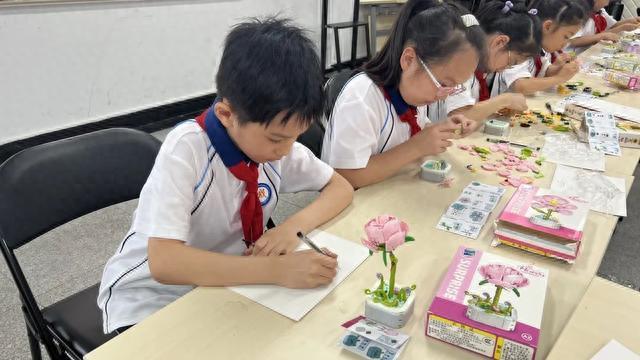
<point x="386" y="233"/>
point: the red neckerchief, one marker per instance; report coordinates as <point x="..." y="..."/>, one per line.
<point x="243" y="169"/>
<point x="407" y="113"/>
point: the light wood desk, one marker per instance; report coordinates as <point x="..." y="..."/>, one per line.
<point x="217" y="323"/>
<point x="607" y="311"/>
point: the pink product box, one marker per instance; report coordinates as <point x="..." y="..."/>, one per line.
<point x="489" y="305"/>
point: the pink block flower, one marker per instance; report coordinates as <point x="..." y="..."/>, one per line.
<point x="504" y="276"/>
<point x="385" y="231"/>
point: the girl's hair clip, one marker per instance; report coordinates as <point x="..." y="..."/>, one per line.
<point x="533" y="12"/>
<point x="469" y="20"/>
<point x="507" y="6"/>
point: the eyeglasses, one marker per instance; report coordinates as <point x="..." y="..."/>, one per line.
<point x="443" y="91"/>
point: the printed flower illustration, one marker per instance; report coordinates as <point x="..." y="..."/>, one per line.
<point x="503" y="277"/>
<point x="552" y="204"/>
<point x="386" y="233"/>
<point x="476" y="216"/>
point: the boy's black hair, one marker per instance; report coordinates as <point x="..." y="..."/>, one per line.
<point x="433" y="28"/>
<point x="524" y="29"/>
<point x="269" y="66"/>
<point x="561" y="12"/>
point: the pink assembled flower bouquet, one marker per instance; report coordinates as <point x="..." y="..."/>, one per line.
<point x="385" y="233"/>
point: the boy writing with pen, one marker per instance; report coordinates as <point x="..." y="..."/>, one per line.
<point x="217" y="179"/>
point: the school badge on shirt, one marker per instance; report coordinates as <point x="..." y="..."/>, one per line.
<point x="264" y="193"/>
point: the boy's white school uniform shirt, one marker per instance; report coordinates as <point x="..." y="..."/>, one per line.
<point x="362" y="124"/>
<point x="589" y="28"/>
<point x="191" y="196"/>
<point x="439" y="110"/>
<point x="527" y="69"/>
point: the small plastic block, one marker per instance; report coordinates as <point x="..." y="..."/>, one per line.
<point x="526" y="180"/>
<point x="513" y="181"/>
<point x="504" y="173"/>
<point x="489" y="167"/>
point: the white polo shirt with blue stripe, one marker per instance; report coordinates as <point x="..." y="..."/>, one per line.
<point x="191" y="196"/>
<point x="363" y="124"/>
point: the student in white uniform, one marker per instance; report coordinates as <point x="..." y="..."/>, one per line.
<point x="216" y="182"/>
<point x="600" y="26"/>
<point x="561" y="19"/>
<point x="512" y="35"/>
<point x="375" y="127"/>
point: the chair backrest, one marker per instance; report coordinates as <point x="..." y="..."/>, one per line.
<point x="48" y="185"/>
<point x="615" y="9"/>
<point x="312" y="138"/>
<point x="332" y="89"/>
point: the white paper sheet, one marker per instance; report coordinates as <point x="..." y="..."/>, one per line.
<point x="567" y="150"/>
<point x="296" y="303"/>
<point x="615" y="350"/>
<point x="606" y="194"/>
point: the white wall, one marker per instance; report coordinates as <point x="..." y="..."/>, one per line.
<point x="64" y="65"/>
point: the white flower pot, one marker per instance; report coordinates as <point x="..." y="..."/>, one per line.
<point x="549" y="223"/>
<point x="393" y="317"/>
<point x="503" y="322"/>
<point x="434" y="175"/>
<point x="497" y="127"/>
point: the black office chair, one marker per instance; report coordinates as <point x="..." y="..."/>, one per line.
<point x="48" y="185"/>
<point x="615" y="9"/>
<point x="312" y="138"/>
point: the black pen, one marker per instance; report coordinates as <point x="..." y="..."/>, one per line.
<point x="311" y="244"/>
<point x="499" y="141"/>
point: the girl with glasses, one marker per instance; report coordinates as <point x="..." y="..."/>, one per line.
<point x="378" y="124"/>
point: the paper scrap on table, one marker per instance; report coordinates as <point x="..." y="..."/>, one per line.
<point x="615" y="350"/>
<point x="567" y="150"/>
<point x="606" y="194"/>
<point x="468" y="214"/>
<point x="296" y="303"/>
